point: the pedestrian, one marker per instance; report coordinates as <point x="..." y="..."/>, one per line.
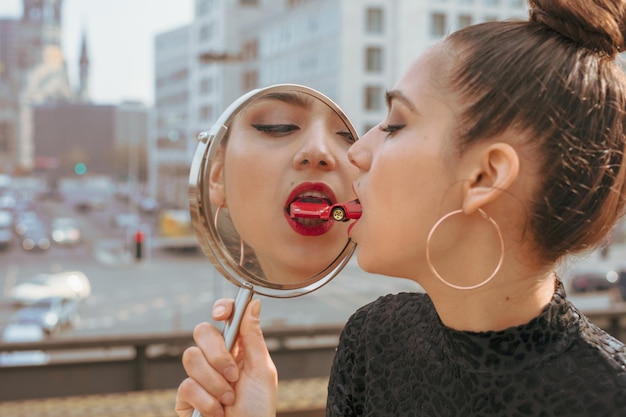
<point x="501" y="154"/>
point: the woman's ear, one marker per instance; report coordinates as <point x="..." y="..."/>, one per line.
<point x="496" y="167"/>
<point x="217" y="192"/>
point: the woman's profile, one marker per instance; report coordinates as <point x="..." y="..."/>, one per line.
<point x="502" y="153"/>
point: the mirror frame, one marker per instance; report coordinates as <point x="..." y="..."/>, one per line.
<point x="201" y="213"/>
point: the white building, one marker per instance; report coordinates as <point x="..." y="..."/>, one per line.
<point x="350" y="50"/>
<point x="168" y="152"/>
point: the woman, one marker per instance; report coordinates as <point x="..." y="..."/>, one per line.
<point x="504" y="145"/>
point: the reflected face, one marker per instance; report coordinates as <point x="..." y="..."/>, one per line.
<point x="280" y="147"/>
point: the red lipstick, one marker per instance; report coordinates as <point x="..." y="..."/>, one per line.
<point x="310" y="227"/>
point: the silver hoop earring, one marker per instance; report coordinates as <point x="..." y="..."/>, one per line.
<point x="241" y="246"/>
<point x="432" y="267"/>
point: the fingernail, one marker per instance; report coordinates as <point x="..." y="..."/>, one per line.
<point x="228" y="398"/>
<point x="231" y="374"/>
<point x="219" y="310"/>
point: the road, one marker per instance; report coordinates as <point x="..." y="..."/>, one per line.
<point x="166" y="291"/>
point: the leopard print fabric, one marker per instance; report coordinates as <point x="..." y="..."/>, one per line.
<point x="396" y="358"/>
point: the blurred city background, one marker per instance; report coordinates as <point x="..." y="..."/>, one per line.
<point x="101" y="102"/>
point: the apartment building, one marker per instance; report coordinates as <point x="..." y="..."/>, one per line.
<point x="352" y="51"/>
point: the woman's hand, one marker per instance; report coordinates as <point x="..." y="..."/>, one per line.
<point x="221" y="383"/>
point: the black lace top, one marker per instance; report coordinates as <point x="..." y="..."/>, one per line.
<point x="396" y="358"/>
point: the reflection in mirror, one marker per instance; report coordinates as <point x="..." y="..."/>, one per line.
<point x="271" y="150"/>
<point x="281" y="146"/>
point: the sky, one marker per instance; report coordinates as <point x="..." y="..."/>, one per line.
<point x="120" y="41"/>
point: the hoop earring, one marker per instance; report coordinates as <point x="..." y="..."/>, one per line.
<point x="432" y="267"/>
<point x="241" y="246"/>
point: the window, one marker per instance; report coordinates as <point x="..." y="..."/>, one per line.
<point x="464" y="21"/>
<point x="203" y="7"/>
<point x="250" y="80"/>
<point x="374" y="98"/>
<point x="250" y="50"/>
<point x="374" y="59"/>
<point x="206" y="85"/>
<point x="5" y="137"/>
<point x="374" y="20"/>
<point x="437" y="24"/>
<point x="205" y="32"/>
<point x="206" y="113"/>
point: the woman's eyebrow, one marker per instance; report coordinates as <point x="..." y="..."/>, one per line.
<point x="296" y="99"/>
<point x="397" y="95"/>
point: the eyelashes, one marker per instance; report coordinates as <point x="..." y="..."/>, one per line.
<point x="276" y="129"/>
<point x="348" y="136"/>
<point x="391" y="129"/>
<point x="279" y="130"/>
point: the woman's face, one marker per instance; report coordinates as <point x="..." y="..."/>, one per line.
<point x="406" y="172"/>
<point x="280" y="147"/>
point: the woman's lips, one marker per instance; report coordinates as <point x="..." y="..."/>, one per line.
<point x="307" y="227"/>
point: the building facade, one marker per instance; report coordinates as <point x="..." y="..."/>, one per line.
<point x="352" y="51"/>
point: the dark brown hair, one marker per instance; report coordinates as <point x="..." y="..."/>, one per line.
<point x="554" y="78"/>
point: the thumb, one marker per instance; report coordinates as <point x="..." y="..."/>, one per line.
<point x="255" y="349"/>
<point x="250" y="329"/>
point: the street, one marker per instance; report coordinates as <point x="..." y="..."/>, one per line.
<point x="165" y="291"/>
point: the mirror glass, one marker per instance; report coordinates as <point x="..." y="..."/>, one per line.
<point x="272" y="150"/>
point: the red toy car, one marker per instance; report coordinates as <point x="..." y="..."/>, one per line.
<point x="342" y="212"/>
<point x="308" y="207"/>
<point x="321" y="208"/>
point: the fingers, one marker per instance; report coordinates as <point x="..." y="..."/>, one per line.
<point x="223" y="309"/>
<point x="210" y="364"/>
<point x="191" y="396"/>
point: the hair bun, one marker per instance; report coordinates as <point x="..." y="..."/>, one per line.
<point x="598" y="25"/>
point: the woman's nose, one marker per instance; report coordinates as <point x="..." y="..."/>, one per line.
<point x="316" y="152"/>
<point x="360" y="154"/>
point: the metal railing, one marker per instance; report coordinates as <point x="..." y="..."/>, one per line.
<point x="113" y="364"/>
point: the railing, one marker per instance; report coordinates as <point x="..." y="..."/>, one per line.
<point x="100" y="365"/>
<point x="112" y="364"/>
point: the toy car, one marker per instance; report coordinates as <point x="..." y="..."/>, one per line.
<point x="345" y="211"/>
<point x="321" y="208"/>
<point x="308" y="207"/>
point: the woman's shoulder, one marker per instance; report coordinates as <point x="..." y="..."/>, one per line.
<point x="398" y="308"/>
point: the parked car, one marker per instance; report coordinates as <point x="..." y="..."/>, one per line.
<point x="36" y="238"/>
<point x="65" y="231"/>
<point x="21" y="333"/>
<point x="26" y="220"/>
<point x="125" y="220"/>
<point x="91" y="203"/>
<point x="70" y="284"/>
<point x="51" y="314"/>
<point x="594" y="278"/>
<point x="6" y="228"/>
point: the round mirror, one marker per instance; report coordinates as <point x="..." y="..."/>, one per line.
<point x="274" y="157"/>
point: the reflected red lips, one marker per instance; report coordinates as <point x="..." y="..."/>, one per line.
<point x="310" y="227"/>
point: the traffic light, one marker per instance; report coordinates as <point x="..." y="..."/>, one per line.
<point x="80" y="168"/>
